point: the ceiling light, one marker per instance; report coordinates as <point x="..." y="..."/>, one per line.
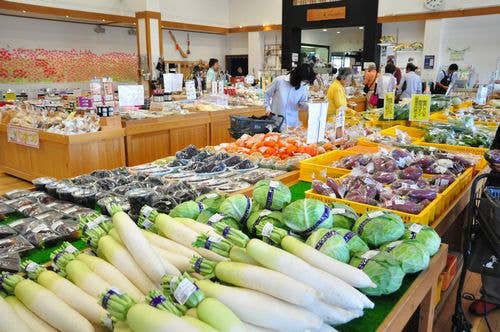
<point x="241" y="26"/>
<point x="264" y="25"/>
<point x="338" y="31"/>
<point x="103" y="20"/>
<point x="67" y="16"/>
<point x="361" y="28"/>
<point x="325" y="30"/>
<point x="24" y="11"/>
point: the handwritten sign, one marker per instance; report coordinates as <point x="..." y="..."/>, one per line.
<point x="10" y="96"/>
<point x="316" y="122"/>
<point x="420" y="108"/>
<point x="190" y="90"/>
<point x="325" y="14"/>
<point x="389" y="105"/>
<point x="130" y="95"/>
<point x="23" y="136"/>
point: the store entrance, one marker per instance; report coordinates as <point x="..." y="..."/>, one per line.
<point x="332" y="48"/>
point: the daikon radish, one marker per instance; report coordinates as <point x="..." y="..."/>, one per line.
<point x="198" y="227"/>
<point x="180" y="262"/>
<point x="121" y="327"/>
<point x="45" y="304"/>
<point x="261" y="309"/>
<point x="137" y="245"/>
<point x="31" y="320"/>
<point x="169" y="245"/>
<point x="254" y="328"/>
<point x="202" y="326"/>
<point x="160" y="301"/>
<point x="71" y="294"/>
<point x="10" y="320"/>
<point x="238" y="254"/>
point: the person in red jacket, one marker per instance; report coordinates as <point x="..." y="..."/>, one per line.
<point x="397" y="72"/>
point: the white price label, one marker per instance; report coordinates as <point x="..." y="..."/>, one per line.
<point x="337" y="211"/>
<point x="264" y="213"/>
<point x="31" y="267"/>
<point x="40" y="228"/>
<point x="375" y="214"/>
<point x="215" y="238"/>
<point x="212" y="195"/>
<point x="370" y="254"/>
<point x="274" y="184"/>
<point x="267" y="229"/>
<point x="215" y="218"/>
<point x="146" y="211"/>
<point x="184" y="290"/>
<point x="147" y="224"/>
<point x="415" y="228"/>
<point x="56" y="224"/>
<point x="394" y="244"/>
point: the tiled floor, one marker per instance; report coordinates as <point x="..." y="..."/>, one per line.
<point x="442" y="323"/>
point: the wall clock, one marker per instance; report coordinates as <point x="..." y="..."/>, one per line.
<point x="433" y="4"/>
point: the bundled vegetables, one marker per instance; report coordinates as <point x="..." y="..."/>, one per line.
<point x="412" y="256"/>
<point x="424" y="235"/>
<point x="306" y="215"/>
<point x="271" y="195"/>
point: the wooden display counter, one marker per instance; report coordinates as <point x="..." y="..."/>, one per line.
<point x="62" y="156"/>
<point x="220" y="123"/>
<point x="150" y="139"/>
<point x="358" y="103"/>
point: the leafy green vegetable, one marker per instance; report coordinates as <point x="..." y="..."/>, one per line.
<point x="210" y="218"/>
<point x="343" y="215"/>
<point x="211" y="200"/>
<point x="425" y="235"/>
<point x="354" y="243"/>
<point x="378" y="227"/>
<point x="383" y="269"/>
<point x="271" y="195"/>
<point x="412" y="255"/>
<point x="306" y="215"/>
<point x="263" y="217"/>
<point x="401" y="112"/>
<point x="189" y="209"/>
<point x="237" y="207"/>
<point x="330" y="243"/>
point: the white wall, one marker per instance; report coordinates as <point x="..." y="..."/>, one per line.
<point x="117" y="7"/>
<point x="237" y="43"/>
<point x="349" y="39"/>
<point x="481" y="34"/>
<point x="203" y="46"/>
<point x="393" y="7"/>
<point x="405" y="31"/>
<point x="208" y="12"/>
<point x="254" y="12"/>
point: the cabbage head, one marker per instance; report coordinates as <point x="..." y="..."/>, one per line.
<point x="343" y="215"/>
<point x="330" y="243"/>
<point x="210" y="217"/>
<point x="425" y="235"/>
<point x="237" y="207"/>
<point x="263" y="217"/>
<point x="212" y="200"/>
<point x="379" y="227"/>
<point x="271" y="195"/>
<point x="306" y="215"/>
<point x="412" y="255"/>
<point x="189" y="209"/>
<point x="355" y="244"/>
<point x="383" y="269"/>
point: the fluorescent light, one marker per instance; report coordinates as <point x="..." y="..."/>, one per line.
<point x="103" y="20"/>
<point x="338" y="31"/>
<point x="67" y="16"/>
<point x="361" y="28"/>
<point x="325" y="30"/>
<point x="24" y="11"/>
<point x="241" y="26"/>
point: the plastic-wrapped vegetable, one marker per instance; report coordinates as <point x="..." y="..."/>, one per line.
<point x="385" y="177"/>
<point x="17" y="193"/>
<point x="378" y="227"/>
<point x="321" y="188"/>
<point x="211" y="200"/>
<point x="383" y="269"/>
<point x="40" y="183"/>
<point x="306" y="215"/>
<point x="343" y="215"/>
<point x="404" y="205"/>
<point x="412" y="255"/>
<point x="14" y="244"/>
<point x="426" y="235"/>
<point x="330" y="243"/>
<point x="411" y="173"/>
<point x="384" y="164"/>
<point x="237" y="207"/>
<point x="210" y="218"/>
<point x="189" y="209"/>
<point x="263" y="217"/>
<point x="493" y="156"/>
<point x="442" y="181"/>
<point x="334" y="185"/>
<point x="271" y="195"/>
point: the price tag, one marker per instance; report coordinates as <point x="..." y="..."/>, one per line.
<point x="184" y="290"/>
<point x="370" y="254"/>
<point x="190" y="90"/>
<point x="337" y="211"/>
<point x="389" y="98"/>
<point x="214" y="88"/>
<point x="23" y="136"/>
<point x="375" y="214"/>
<point x="10" y="96"/>
<point x="415" y="228"/>
<point x="420" y="108"/>
<point x="267" y="229"/>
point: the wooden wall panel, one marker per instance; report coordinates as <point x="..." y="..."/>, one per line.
<point x="144" y="148"/>
<point x="182" y="137"/>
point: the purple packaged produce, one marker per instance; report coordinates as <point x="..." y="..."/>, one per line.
<point x="411" y="173"/>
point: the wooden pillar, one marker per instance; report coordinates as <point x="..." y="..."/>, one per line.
<point x="149" y="45"/>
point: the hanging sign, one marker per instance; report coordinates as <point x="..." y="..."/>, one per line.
<point x="23" y="136"/>
<point x="389" y="105"/>
<point x="420" y="108"/>
<point x="316" y="122"/>
<point x="326" y="14"/>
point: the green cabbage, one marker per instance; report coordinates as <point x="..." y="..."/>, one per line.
<point x="379" y="227"/>
<point x="212" y="200"/>
<point x="412" y="255"/>
<point x="343" y="215"/>
<point x="354" y="243"/>
<point x="306" y="215"/>
<point x="271" y="195"/>
<point x="189" y="209"/>
<point x="383" y="269"/>
<point x="237" y="207"/>
<point x="263" y="217"/>
<point x="426" y="235"/>
<point x="330" y="243"/>
<point x="210" y="217"/>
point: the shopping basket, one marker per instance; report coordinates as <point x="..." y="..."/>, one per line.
<point x="252" y="125"/>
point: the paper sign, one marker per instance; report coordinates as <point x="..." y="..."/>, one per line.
<point x="190" y="90"/>
<point x="10" y="96"/>
<point x="23" y="136"/>
<point x="340" y="122"/>
<point x="130" y="95"/>
<point x="173" y="82"/>
<point x="389" y="105"/>
<point x="214" y="88"/>
<point x="85" y="102"/>
<point x="420" y="109"/>
<point x="316" y="124"/>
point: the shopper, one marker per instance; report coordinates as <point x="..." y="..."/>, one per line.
<point x="212" y="72"/>
<point x="445" y="78"/>
<point x="336" y="92"/>
<point x="490" y="299"/>
<point x="288" y="93"/>
<point x="397" y="72"/>
<point x="370" y="78"/>
<point x="411" y="83"/>
<point x="386" y="83"/>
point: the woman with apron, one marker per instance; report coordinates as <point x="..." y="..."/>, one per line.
<point x="444" y="79"/>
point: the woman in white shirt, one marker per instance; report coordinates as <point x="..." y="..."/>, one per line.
<point x="386" y="83"/>
<point x="411" y="83"/>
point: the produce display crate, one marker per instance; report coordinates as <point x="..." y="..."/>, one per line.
<point x="363" y="149"/>
<point x="415" y="133"/>
<point x="460" y="149"/>
<point x="425" y="217"/>
<point x="453" y="191"/>
<point x="439" y="287"/>
<point x="449" y="271"/>
<point x="317" y="164"/>
<point x="387" y="124"/>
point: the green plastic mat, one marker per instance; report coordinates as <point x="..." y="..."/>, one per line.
<point x="372" y="318"/>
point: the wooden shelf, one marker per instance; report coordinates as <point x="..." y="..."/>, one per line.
<point x="446" y="294"/>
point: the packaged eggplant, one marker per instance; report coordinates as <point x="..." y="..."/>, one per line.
<point x="33" y="209"/>
<point x="122" y="190"/>
<point x="15" y="244"/>
<point x="59" y="205"/>
<point x="39" y="234"/>
<point x="104" y="202"/>
<point x="10" y="262"/>
<point x="120" y="171"/>
<point x="66" y="227"/>
<point x="164" y="203"/>
<point x="102" y="174"/>
<point x="106" y="184"/>
<point x="40" y="183"/>
<point x="17" y="193"/>
<point x="41" y="197"/>
<point x="65" y="193"/>
<point x="139" y="197"/>
<point x="85" y="197"/>
<point x="19" y="202"/>
<point x="52" y="187"/>
<point x="48" y="216"/>
<point x="21" y="225"/>
<point x="84" y="180"/>
<point x="76" y="211"/>
<point x="5" y="210"/>
<point x="6" y="231"/>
